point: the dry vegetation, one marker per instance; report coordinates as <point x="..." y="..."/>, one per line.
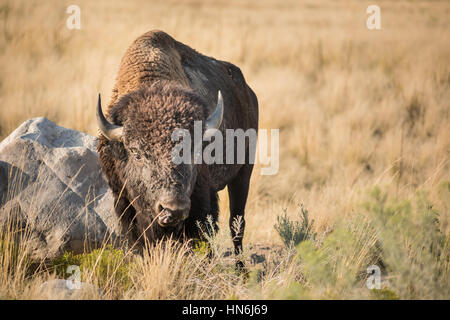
<point x="356" y="109"/>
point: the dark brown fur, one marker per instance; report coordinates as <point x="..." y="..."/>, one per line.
<point x="163" y="85"/>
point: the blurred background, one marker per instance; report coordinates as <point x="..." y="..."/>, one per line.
<point x="356" y="108"/>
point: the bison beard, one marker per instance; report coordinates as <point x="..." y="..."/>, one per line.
<point x="162" y="86"/>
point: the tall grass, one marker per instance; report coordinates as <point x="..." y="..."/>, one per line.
<point x="404" y="239"/>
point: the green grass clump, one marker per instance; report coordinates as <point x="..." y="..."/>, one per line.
<point x="384" y="294"/>
<point x="294" y="232"/>
<point x="404" y="238"/>
<point x="414" y="246"/>
<point x="201" y="248"/>
<point x="106" y="267"/>
<point x="337" y="265"/>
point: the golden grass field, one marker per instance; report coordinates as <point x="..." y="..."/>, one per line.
<point x="356" y="109"/>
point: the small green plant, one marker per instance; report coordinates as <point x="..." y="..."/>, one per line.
<point x="207" y="244"/>
<point x="107" y="266"/>
<point x="294" y="232"/>
<point x="60" y="264"/>
<point x="201" y="247"/>
<point x="384" y="294"/>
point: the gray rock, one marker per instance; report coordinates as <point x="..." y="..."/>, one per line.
<point x="51" y="186"/>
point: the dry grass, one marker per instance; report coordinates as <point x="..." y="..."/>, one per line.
<point x="355" y="108"/>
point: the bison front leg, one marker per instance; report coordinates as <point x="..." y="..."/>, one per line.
<point x="238" y="192"/>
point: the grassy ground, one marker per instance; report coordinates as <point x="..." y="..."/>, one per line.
<point x="364" y="137"/>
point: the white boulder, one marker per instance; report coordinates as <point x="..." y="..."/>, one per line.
<point x="53" y="190"/>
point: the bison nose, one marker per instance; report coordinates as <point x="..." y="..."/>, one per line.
<point x="172" y="211"/>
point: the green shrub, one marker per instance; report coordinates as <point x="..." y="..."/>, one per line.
<point x="60" y="264"/>
<point x="108" y="267"/>
<point x="404" y="238"/>
<point x="338" y="264"/>
<point x="201" y="247"/>
<point x="294" y="232"/>
<point x="415" y="250"/>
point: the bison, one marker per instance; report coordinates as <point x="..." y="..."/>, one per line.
<point x="164" y="85"/>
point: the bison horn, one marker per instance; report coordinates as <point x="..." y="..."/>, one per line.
<point x="109" y="130"/>
<point x="214" y="121"/>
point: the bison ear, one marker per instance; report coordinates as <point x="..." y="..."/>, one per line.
<point x="109" y="130"/>
<point x="214" y="120"/>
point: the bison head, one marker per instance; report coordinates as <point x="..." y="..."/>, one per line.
<point x="141" y="127"/>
